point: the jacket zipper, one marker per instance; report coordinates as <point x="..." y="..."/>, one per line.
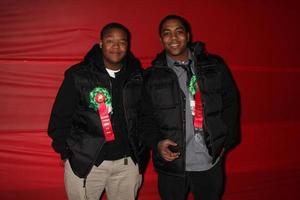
<point x="98" y="150"/>
<point x="92" y="164"/>
<point x="126" y="117"/>
<point x="182" y="116"/>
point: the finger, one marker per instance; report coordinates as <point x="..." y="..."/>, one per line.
<point x="168" y="152"/>
<point x="175" y="155"/>
<point x="170" y="142"/>
<point x="170" y="156"/>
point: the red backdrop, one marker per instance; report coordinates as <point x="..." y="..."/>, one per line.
<point x="258" y="39"/>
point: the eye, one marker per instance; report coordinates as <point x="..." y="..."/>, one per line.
<point x="123" y="43"/>
<point x="166" y="33"/>
<point x="180" y="32"/>
<point x="108" y="41"/>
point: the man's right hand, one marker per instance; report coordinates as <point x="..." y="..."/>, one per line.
<point x="165" y="152"/>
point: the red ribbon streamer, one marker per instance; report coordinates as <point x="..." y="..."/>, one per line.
<point x="198" y="118"/>
<point x="105" y="120"/>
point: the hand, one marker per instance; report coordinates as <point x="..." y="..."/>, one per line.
<point x="165" y="152"/>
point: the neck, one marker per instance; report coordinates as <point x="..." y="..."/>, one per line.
<point x="111" y="66"/>
<point x="182" y="57"/>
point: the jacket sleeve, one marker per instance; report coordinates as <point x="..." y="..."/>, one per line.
<point x="60" y="123"/>
<point x="230" y="114"/>
<point x="147" y="124"/>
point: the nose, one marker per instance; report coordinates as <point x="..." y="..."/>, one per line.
<point x="116" y="45"/>
<point x="174" y="35"/>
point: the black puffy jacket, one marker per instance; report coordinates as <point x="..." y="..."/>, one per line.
<point x="76" y="128"/>
<point x="163" y="109"/>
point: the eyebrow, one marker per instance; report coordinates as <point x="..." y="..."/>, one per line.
<point x="178" y="28"/>
<point x="110" y="36"/>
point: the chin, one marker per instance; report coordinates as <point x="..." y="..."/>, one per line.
<point x="116" y="61"/>
<point x="175" y="54"/>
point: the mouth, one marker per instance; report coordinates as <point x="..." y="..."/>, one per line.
<point x="115" y="53"/>
<point x="174" y="45"/>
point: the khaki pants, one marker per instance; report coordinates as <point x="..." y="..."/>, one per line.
<point x="120" y="181"/>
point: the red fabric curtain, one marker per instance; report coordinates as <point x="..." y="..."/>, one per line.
<point x="259" y="40"/>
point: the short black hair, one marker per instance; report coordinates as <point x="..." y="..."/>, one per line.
<point x="108" y="27"/>
<point x="183" y="21"/>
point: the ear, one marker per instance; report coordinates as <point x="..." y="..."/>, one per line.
<point x="100" y="44"/>
<point x="188" y="37"/>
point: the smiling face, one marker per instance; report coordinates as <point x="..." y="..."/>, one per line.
<point x="174" y="39"/>
<point x="114" y="47"/>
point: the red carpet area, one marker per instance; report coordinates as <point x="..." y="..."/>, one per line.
<point x="259" y="40"/>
